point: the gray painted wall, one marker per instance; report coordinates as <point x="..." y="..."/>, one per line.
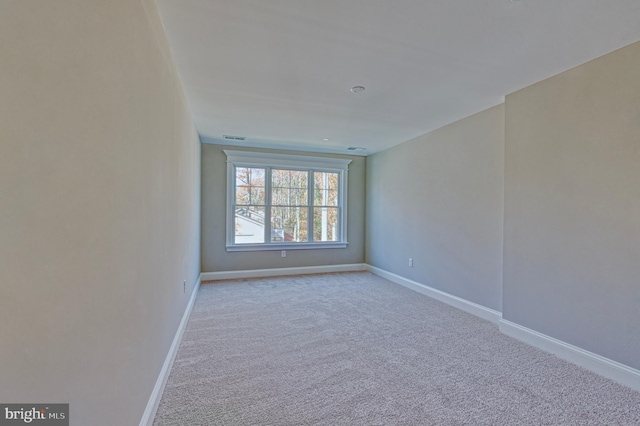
<point x="572" y="207"/>
<point x="99" y="186"/>
<point x="439" y="200"/>
<point x="215" y="258"/>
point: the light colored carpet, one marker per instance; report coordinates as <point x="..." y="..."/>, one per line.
<point x="355" y="349"/>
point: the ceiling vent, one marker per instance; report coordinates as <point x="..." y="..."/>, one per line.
<point x="234" y="138"/>
<point x="355" y="148"/>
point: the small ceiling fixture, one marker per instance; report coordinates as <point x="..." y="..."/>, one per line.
<point x="234" y="138"/>
<point x="325" y="139"/>
<point x="357" y="89"/>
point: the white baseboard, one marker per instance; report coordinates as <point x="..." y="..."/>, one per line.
<point x="598" y="364"/>
<point x="613" y="370"/>
<point x="257" y="273"/>
<point x="610" y="369"/>
<point x="154" y="400"/>
<point x="455" y="301"/>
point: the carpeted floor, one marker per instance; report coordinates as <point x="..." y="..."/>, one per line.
<point x="355" y="349"/>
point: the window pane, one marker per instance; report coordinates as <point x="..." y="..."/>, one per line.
<point x="280" y="178"/>
<point x="326" y="180"/>
<point x="326" y="188"/>
<point x="280" y="196"/>
<point x="249" y="225"/>
<point x="250" y="195"/>
<point x="289" y="187"/>
<point x="289" y="224"/>
<point x="243" y="175"/>
<point x="332" y="197"/>
<point x="298" y="179"/>
<point x="251" y="176"/>
<point x="257" y="195"/>
<point x="250" y="185"/>
<point x="325" y="224"/>
<point x="298" y="197"/>
<point x="243" y="194"/>
<point x="257" y="176"/>
<point x="326" y="197"/>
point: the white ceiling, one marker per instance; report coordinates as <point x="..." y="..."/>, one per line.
<point x="279" y="72"/>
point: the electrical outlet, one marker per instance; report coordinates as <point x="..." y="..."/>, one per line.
<point x="184" y="286"/>
<point x="411" y="262"/>
<point x="283" y="253"/>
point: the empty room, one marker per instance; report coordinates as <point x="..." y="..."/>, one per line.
<point x="292" y="212"/>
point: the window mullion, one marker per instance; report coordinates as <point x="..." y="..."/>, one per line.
<point x="342" y="207"/>
<point x="310" y="188"/>
<point x="267" y="207"/>
<point x="231" y="200"/>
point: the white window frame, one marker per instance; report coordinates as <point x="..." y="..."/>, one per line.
<point x="287" y="161"/>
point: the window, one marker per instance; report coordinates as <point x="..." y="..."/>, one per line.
<point x="277" y="201"/>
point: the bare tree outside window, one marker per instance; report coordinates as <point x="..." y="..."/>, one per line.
<point x="249" y="209"/>
<point x="290" y="204"/>
<point x="325" y="211"/>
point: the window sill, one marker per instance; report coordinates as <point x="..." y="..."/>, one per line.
<point x="286" y="246"/>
